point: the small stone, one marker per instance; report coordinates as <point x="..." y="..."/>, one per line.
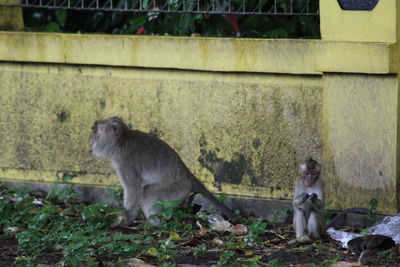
<point x="305" y="239"/>
<point x="217" y="241"/>
<point x="240" y="229"/>
<point x="310" y="248"/>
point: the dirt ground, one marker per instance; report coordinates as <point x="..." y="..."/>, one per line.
<point x="325" y="252"/>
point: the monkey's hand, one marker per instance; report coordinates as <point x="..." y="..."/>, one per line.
<point x="304" y="197"/>
<point x="313" y="197"/>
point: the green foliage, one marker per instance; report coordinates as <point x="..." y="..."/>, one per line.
<point x="250" y="262"/>
<point x="199" y="251"/>
<point x="373" y="205"/>
<point x="83" y="235"/>
<point x="66" y="193"/>
<point x="79" y="232"/>
<point x="256" y="230"/>
<point x="177" y="24"/>
<point x="170" y="218"/>
<point x="224" y="258"/>
<point x="116" y="191"/>
<point x="370" y="218"/>
<point x="328" y="213"/>
<point x="276" y="263"/>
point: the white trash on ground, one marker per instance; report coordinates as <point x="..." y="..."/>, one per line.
<point x="389" y="226"/>
<point x="341" y="236"/>
<point x="219" y="224"/>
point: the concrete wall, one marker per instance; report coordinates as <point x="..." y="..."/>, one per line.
<point x="242" y="113"/>
<point x="241" y="133"/>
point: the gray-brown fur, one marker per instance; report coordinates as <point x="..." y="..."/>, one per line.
<point x="308" y="200"/>
<point x="148" y="168"/>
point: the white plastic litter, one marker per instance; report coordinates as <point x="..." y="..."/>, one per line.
<point x="219" y="224"/>
<point x="341" y="236"/>
<point x="389" y="226"/>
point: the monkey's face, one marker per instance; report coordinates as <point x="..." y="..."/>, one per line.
<point x="99" y="139"/>
<point x="310" y="177"/>
<point x="105" y="135"/>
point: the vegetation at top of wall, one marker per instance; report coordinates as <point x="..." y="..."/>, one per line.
<point x="175" y="24"/>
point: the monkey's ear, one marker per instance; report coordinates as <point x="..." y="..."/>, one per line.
<point x="115" y="128"/>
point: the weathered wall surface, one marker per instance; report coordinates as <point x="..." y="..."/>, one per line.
<point x="360" y="138"/>
<point x="240" y="133"/>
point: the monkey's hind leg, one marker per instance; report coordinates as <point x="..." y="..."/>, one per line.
<point x="299" y="223"/>
<point x="314" y="225"/>
<point x="156" y="192"/>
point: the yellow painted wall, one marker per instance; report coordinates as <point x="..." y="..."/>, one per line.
<point x="378" y="25"/>
<point x="241" y="133"/>
<point x="360" y="117"/>
<point x="211" y="54"/>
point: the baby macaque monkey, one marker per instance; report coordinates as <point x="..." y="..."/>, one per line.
<point x="308" y="200"/>
<point x="148" y="168"/>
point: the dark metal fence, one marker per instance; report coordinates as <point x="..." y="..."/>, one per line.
<point x="238" y="7"/>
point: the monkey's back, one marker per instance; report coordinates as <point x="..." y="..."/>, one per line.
<point x="151" y="158"/>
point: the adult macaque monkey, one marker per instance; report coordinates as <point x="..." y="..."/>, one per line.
<point x="308" y="200"/>
<point x="147" y="167"/>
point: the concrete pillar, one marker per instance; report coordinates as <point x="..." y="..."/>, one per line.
<point x="361" y="110"/>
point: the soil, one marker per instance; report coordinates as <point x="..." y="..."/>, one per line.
<point x="274" y="246"/>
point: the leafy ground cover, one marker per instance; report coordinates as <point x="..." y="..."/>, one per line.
<point x="56" y="229"/>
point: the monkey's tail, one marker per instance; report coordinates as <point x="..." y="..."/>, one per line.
<point x="344" y="213"/>
<point x="199" y="187"/>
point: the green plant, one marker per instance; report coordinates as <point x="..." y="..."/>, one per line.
<point x="169" y="218"/>
<point x="328" y="213"/>
<point x="276" y="263"/>
<point x="66" y="192"/>
<point x="199" y="251"/>
<point x="370" y="219"/>
<point x="256" y="229"/>
<point x="76" y="232"/>
<point x="250" y="262"/>
<point x="116" y="191"/>
<point x="224" y="258"/>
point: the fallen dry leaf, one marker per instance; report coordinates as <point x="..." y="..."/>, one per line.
<point x="203" y="232"/>
<point x="152" y="251"/>
<point x="248" y="253"/>
<point x="175" y="236"/>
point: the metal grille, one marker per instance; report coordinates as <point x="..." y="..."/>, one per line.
<point x="238" y="7"/>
